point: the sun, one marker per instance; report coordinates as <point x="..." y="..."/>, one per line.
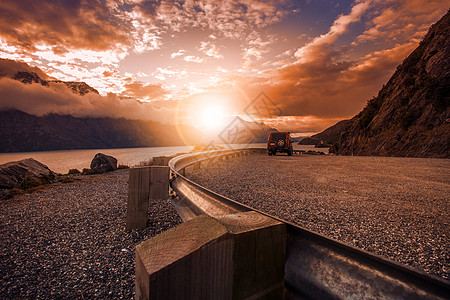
<point x="212" y="117"/>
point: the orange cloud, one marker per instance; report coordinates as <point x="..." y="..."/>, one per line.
<point x="63" y="24"/>
<point x="404" y="18"/>
<point x="328" y="88"/>
<point x="40" y="100"/>
<point x="144" y="91"/>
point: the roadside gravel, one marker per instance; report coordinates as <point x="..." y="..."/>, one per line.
<point x="394" y="207"/>
<point x="69" y="242"/>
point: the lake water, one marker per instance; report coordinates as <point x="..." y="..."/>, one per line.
<point x="62" y="161"/>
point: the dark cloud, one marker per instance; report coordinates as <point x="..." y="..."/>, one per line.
<point x="63" y="24"/>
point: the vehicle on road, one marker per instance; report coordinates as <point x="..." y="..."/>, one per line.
<point x="279" y="142"/>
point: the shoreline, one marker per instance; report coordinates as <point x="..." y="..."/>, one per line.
<point x="68" y="239"/>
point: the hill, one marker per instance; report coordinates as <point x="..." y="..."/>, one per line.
<point x="410" y="115"/>
<point x="24" y="132"/>
<point x="329" y="136"/>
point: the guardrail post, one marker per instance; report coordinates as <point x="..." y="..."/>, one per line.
<point x="231" y="257"/>
<point x="144" y="184"/>
<point x="161" y="160"/>
<point x="259" y="255"/>
<point x="198" y="166"/>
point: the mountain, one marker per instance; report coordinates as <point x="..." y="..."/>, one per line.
<point x="28" y="77"/>
<point x="239" y="131"/>
<point x="327" y="137"/>
<point x="20" y="131"/>
<point x="80" y="88"/>
<point x="24" y="132"/>
<point x="411" y="114"/>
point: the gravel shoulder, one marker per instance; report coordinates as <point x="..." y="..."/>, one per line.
<point x="394" y="207"/>
<point x="69" y="241"/>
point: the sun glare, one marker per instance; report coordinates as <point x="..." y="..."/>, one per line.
<point x="212" y="117"/>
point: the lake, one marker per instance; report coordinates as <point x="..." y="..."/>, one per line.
<point x="63" y="160"/>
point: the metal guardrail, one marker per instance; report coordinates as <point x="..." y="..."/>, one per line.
<point x="316" y="267"/>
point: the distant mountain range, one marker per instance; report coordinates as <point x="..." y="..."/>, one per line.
<point x="411" y="114"/>
<point x="20" y="131"/>
<point x="24" y="132"/>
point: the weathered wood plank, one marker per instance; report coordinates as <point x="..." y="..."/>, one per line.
<point x="159" y="182"/>
<point x="190" y="261"/>
<point x="161" y="160"/>
<point x="259" y="255"/>
<point x="144" y="184"/>
<point x="231" y="257"/>
<point x="138" y="193"/>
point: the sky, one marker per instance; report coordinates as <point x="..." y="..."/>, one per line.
<point x="309" y="63"/>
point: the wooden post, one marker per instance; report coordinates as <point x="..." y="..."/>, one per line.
<point x="177" y="264"/>
<point x="161" y="160"/>
<point x="198" y="166"/>
<point x="211" y="161"/>
<point x="259" y="255"/>
<point x="138" y="193"/>
<point x="232" y="257"/>
<point x="144" y="184"/>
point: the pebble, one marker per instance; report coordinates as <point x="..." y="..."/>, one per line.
<point x="394" y="207"/>
<point x="69" y="241"/>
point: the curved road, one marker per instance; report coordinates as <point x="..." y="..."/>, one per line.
<point x="394" y="207"/>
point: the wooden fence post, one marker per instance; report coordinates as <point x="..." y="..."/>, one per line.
<point x="161" y="160"/>
<point x="144" y="184"/>
<point x="238" y="256"/>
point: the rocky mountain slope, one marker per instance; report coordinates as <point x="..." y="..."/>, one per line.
<point x="329" y="136"/>
<point x="411" y="114"/>
<point x="80" y="88"/>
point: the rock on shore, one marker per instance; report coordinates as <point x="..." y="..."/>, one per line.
<point x="102" y="163"/>
<point x="23" y="174"/>
<point x="13" y="174"/>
